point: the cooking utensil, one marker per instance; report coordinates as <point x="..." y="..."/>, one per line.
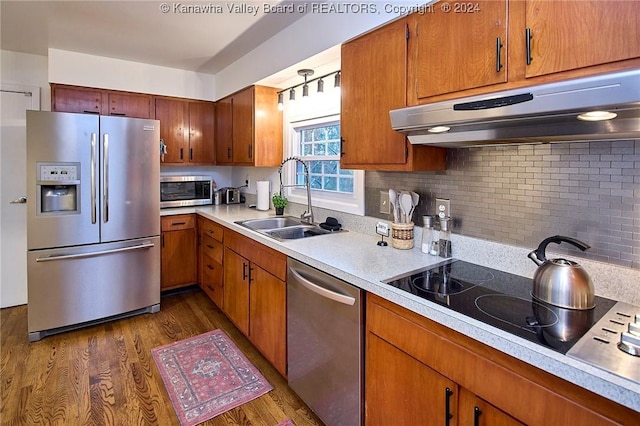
<point x="406" y="203"/>
<point x="561" y="282"/>
<point x="415" y="199"/>
<point x="393" y="200"/>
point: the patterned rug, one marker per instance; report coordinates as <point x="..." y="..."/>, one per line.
<point x="206" y="375"/>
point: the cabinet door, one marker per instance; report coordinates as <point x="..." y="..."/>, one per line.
<point x="243" y="127"/>
<point x="173" y="116"/>
<point x="201" y="128"/>
<point x="67" y="99"/>
<point x="567" y="35"/>
<point x="373" y="82"/>
<point x="178" y="258"/>
<point x="224" y="131"/>
<point x="268" y="329"/>
<point x="459" y="48"/>
<point x="236" y="289"/>
<point x="475" y="411"/>
<point x="400" y="390"/>
<point x="129" y="105"/>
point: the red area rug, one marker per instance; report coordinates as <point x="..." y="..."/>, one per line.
<point x="206" y="375"/>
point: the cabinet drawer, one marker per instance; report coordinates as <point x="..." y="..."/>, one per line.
<point x="211" y="229"/>
<point x="270" y="260"/>
<point x="212" y="248"/>
<point x="178" y="222"/>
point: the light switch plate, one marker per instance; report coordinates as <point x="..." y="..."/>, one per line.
<point x="385" y="206"/>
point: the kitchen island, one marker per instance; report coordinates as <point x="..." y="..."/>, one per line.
<point x="356" y="258"/>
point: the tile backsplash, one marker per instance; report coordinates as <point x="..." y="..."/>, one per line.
<point x="523" y="194"/>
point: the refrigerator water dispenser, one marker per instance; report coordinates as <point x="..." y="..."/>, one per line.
<point x="58" y="188"/>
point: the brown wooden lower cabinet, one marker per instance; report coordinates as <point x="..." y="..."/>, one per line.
<point x="210" y="259"/>
<point x="421" y="373"/>
<point x="255" y="294"/>
<point x="178" y="252"/>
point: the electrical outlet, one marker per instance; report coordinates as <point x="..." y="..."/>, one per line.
<point x="384" y="202"/>
<point x="247" y="180"/>
<point x="443" y="207"/>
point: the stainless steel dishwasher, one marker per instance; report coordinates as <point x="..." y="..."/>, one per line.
<point x="325" y="344"/>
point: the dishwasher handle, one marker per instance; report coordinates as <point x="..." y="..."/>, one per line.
<point x="324" y="292"/>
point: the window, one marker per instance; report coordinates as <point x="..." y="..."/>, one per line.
<point x="317" y="143"/>
<point x="320" y="148"/>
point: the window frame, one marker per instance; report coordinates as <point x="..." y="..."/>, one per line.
<point x="347" y="203"/>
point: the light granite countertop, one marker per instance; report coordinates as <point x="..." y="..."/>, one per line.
<point x="355" y="257"/>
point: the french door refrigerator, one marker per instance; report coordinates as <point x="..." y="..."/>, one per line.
<point x="93" y="219"/>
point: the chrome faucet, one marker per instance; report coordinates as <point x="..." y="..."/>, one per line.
<point x="307" y="216"/>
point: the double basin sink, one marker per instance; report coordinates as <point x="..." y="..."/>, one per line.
<point x="284" y="228"/>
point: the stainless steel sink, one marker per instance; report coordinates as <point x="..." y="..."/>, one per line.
<point x="284" y="228"/>
<point x="270" y="223"/>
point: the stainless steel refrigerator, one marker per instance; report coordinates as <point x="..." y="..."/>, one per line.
<point x="93" y="219"/>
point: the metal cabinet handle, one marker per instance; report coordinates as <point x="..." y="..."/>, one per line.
<point x="229" y="153"/>
<point x="447" y="406"/>
<point x="209" y="246"/>
<point x="181" y="153"/>
<point x="118" y="114"/>
<point x="528" y="36"/>
<point x="250" y="151"/>
<point x="21" y="200"/>
<point x="178" y="223"/>
<point x="341" y="150"/>
<point x="190" y="153"/>
<point x="250" y="277"/>
<point x="498" y="49"/>
<point x="244" y="271"/>
<point x="210" y="267"/>
<point x="476" y="416"/>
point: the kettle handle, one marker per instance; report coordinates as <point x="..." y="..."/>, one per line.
<point x="540" y="251"/>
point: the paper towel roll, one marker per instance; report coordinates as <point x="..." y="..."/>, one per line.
<point x="263" y="194"/>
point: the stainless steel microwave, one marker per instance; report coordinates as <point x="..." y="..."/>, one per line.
<point x="182" y="191"/>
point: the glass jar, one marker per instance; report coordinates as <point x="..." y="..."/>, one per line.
<point x="445" y="237"/>
<point x="429" y="236"/>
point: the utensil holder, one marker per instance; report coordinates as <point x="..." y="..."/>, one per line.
<point x="402" y="235"/>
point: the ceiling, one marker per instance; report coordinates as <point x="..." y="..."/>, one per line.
<point x="140" y="31"/>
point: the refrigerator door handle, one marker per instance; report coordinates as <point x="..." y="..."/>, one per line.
<point x="105" y="178"/>
<point x="93" y="253"/>
<point x="94" y="139"/>
<point x="324" y="292"/>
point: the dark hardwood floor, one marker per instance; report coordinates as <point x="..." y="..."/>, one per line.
<point x="105" y="375"/>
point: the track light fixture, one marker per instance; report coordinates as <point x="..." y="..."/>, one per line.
<point x="305" y="85"/>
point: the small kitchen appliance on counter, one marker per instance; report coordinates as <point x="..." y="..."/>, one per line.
<point x="505" y="301"/>
<point x="184" y="191"/>
<point x="230" y="195"/>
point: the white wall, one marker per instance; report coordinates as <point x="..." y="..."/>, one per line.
<point x="25" y="69"/>
<point x="96" y="71"/>
<point x="310" y="35"/>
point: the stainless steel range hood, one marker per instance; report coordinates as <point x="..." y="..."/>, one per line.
<point x="536" y="114"/>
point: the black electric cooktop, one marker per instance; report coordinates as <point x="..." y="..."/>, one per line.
<point x="502" y="300"/>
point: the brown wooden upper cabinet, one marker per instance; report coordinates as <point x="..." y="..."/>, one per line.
<point x="568" y="35"/>
<point x="249" y="128"/>
<point x="187" y="128"/>
<point x="454" y="50"/>
<point x="486" y="46"/>
<point x="88" y="100"/>
<point x="374" y="81"/>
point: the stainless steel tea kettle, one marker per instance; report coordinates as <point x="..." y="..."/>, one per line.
<point x="561" y="282"/>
